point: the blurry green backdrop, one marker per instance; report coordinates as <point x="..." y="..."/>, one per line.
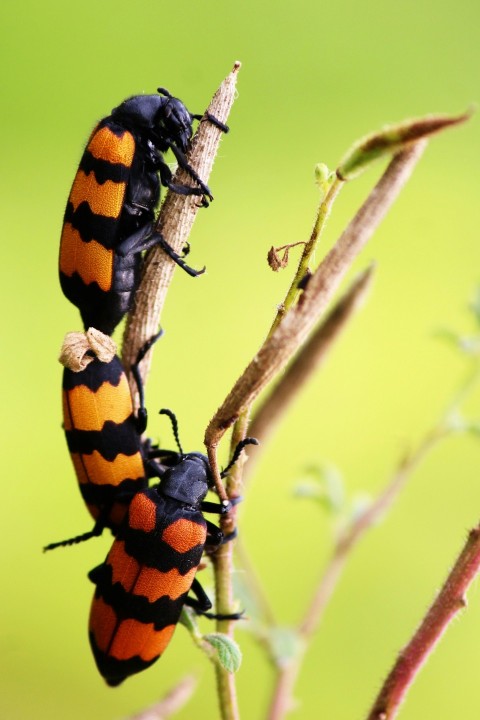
<point x="315" y="77"/>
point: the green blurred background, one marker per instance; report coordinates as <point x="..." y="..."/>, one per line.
<point x="315" y="77"/>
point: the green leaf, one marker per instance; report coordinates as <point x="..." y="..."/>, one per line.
<point x="324" y="484"/>
<point x="285" y="644"/>
<point x="474" y="427"/>
<point x="475" y="306"/>
<point x="188" y="619"/>
<point x="228" y="652"/>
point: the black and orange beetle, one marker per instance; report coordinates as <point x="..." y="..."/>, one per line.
<point x="104" y="440"/>
<point x="109" y="217"/>
<point x="144" y="582"/>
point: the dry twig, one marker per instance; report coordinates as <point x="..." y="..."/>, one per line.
<point x="175" y="222"/>
<point x="171" y="703"/>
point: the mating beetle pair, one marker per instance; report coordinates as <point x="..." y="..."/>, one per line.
<point x="160" y="532"/>
<point x="109" y="219"/>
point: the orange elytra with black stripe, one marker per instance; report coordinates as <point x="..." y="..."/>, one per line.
<point x="108" y="220"/>
<point x="146" y="578"/>
<point x="150" y="570"/>
<point x="103" y="438"/>
<point x="111" y="461"/>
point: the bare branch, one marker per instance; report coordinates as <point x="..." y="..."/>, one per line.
<point x="171" y="703"/>
<point x="349" y="538"/>
<point x="449" y="601"/>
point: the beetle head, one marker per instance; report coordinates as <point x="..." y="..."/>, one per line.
<point x="174" y="122"/>
<point x="164" y="117"/>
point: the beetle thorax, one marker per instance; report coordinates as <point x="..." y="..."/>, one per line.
<point x="187" y="482"/>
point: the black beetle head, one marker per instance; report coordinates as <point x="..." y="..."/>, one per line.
<point x="189" y="481"/>
<point x="174" y="121"/>
<point x="165" y="118"/>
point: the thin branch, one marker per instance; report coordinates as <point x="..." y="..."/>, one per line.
<point x="351" y="535"/>
<point x="449" y="601"/>
<point x="319" y="225"/>
<point x="175" y="222"/>
<point x="171" y="703"/>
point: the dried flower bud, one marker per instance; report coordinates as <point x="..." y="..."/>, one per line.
<point x="276" y="261"/>
<point x="79" y="349"/>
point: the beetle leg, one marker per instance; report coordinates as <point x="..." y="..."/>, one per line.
<point x="182" y="161"/>
<point x="220" y="508"/>
<point x="137" y="242"/>
<point x="141" y="418"/>
<point x="201" y="604"/>
<point x="166" y="179"/>
<point x="211" y="118"/>
<point x="214" y="535"/>
<point x="178" y="258"/>
<point x="146" y="238"/>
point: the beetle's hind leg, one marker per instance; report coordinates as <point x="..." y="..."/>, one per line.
<point x="201" y="604"/>
<point x="178" y="258"/>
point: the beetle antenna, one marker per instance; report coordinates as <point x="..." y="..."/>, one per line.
<point x="236" y="454"/>
<point x="174" y="421"/>
<point x="162" y="91"/>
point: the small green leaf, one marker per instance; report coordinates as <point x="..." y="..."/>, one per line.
<point x="473" y="427"/>
<point x="285" y="644"/>
<point x="391" y="140"/>
<point x="188" y="619"/>
<point x="324" y="484"/>
<point x="228" y="653"/>
<point x="475" y="306"/>
<point x="470" y="345"/>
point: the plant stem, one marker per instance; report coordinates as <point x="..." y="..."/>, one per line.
<point x="171" y="703"/>
<point x="449" y="601"/>
<point x="323" y="212"/>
